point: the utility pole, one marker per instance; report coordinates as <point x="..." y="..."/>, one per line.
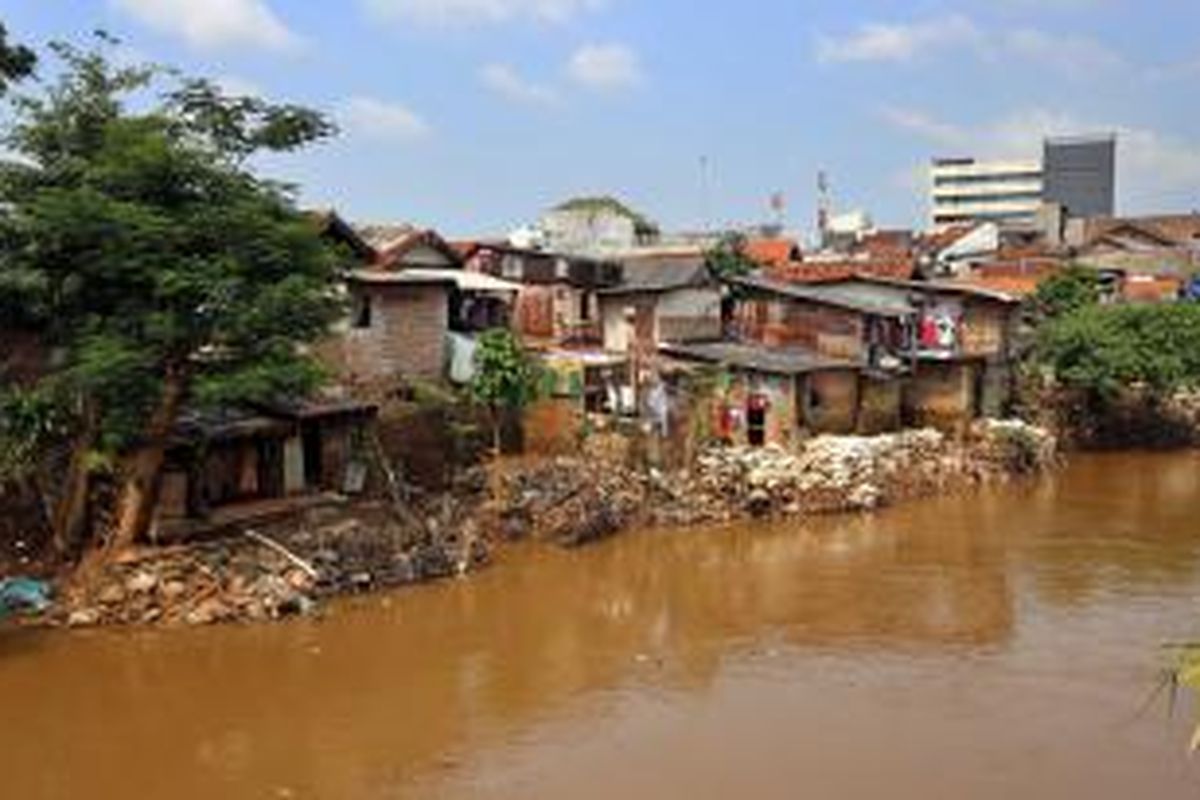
<point x="824" y="207"/>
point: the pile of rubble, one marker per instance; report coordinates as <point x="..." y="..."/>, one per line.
<point x="264" y="574"/>
<point x="569" y="501"/>
<point x="286" y="569"/>
<point x="854" y="473"/>
<point x="573" y="501"/>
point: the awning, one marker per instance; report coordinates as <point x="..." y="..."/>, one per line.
<point x="461" y="279"/>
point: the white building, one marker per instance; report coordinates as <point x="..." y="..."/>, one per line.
<point x="1005" y="192"/>
<point x="595" y="226"/>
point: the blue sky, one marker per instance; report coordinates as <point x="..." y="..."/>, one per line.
<point x="473" y="115"/>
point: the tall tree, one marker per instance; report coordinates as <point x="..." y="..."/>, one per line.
<point x="16" y="61"/>
<point x="158" y="263"/>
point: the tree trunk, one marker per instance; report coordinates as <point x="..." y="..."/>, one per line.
<point x="143" y="472"/>
<point x="70" y="516"/>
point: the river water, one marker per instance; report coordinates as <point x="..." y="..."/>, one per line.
<point x="1001" y="644"/>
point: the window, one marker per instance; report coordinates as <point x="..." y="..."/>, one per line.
<point x="362" y="311"/>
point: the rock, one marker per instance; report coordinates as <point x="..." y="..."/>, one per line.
<point x="299" y="580"/>
<point x="759" y="503"/>
<point x="172" y="590"/>
<point x="112" y="594"/>
<point x="83" y="618"/>
<point x="141" y="583"/>
<point x="208" y="612"/>
<point x="296" y="605"/>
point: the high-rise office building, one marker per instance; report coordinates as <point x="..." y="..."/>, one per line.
<point x="1076" y="173"/>
<point x="1079" y="174"/>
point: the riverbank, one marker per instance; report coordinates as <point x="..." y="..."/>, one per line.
<point x="289" y="567"/>
<point x="573" y="501"/>
<point x="267" y="573"/>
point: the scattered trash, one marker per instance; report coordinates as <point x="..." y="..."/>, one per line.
<point x="19" y="595"/>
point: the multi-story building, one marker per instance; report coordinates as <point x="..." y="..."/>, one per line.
<point x="1076" y="173"/>
<point x="966" y="190"/>
<point x="1080" y="174"/>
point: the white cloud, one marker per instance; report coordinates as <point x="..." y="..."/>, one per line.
<point x="899" y="41"/>
<point x="380" y="119"/>
<point x="1070" y="54"/>
<point x="1154" y="169"/>
<point x="925" y="126"/>
<point x="211" y="24"/>
<point x="504" y="80"/>
<point x="1078" y="56"/>
<point x="605" y="67"/>
<point x="479" y="12"/>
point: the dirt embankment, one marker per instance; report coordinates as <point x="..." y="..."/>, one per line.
<point x="287" y="568"/>
<point x="268" y="573"/>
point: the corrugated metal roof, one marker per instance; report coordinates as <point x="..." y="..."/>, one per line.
<point x="757" y="357"/>
<point x="872" y="295"/>
<point x="462" y="279"/>
<point x="661" y="274"/>
<point x="861" y="296"/>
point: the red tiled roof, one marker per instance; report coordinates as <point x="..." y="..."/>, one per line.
<point x="771" y="252"/>
<point x="392" y="243"/>
<point x="1039" y="267"/>
<point x="1151" y="288"/>
<point x="1015" y="285"/>
<point x="465" y="249"/>
<point x="940" y="240"/>
<point x="822" y="271"/>
<point x="1180" y="228"/>
<point x="887" y="242"/>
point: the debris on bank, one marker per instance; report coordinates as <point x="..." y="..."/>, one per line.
<point x="573" y="501"/>
<point x="265" y="574"/>
<point x="570" y="501"/>
<point x="854" y="473"/>
<point x="23" y="595"/>
<point x="286" y="569"/>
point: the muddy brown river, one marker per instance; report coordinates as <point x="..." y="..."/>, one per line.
<point x="994" y="645"/>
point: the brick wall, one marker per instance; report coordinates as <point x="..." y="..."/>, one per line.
<point x="692" y="314"/>
<point x="406" y="335"/>
<point x="940" y="395"/>
<point x="983" y="329"/>
<point x="832" y="332"/>
<point x="879" y="407"/>
<point x="830" y="401"/>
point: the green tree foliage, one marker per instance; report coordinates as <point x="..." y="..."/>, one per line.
<point x="727" y="258"/>
<point x="506" y="378"/>
<point x="156" y="265"/>
<point x="1066" y="292"/>
<point x="16" y="61"/>
<point x="1102" y="350"/>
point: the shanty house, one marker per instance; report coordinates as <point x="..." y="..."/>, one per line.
<point x="558" y="301"/>
<point x="774" y="395"/>
<point x="413" y="311"/>
<point x="660" y="299"/>
<point x="234" y="463"/>
<point x="947" y="346"/>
